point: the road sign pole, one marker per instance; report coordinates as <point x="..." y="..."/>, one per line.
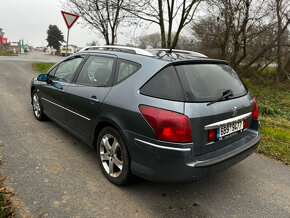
<point x="69" y="19"/>
<point x="67" y="42"/>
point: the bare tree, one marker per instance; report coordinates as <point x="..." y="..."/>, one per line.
<point x="151" y="40"/>
<point x="212" y="37"/>
<point x="103" y="15"/>
<point x="279" y="22"/>
<point x="93" y="43"/>
<point x="282" y="11"/>
<point x="242" y="31"/>
<point x="278" y="4"/>
<point x="164" y="13"/>
<point x="237" y="19"/>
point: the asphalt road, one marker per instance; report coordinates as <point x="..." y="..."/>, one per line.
<point x="54" y="174"/>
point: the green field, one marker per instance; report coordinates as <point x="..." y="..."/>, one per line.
<point x="274" y="110"/>
<point x="274" y="113"/>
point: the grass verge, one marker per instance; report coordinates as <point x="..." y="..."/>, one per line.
<point x="42" y="67"/>
<point x="274" y="109"/>
<point x="7" y="53"/>
<point x="273" y="99"/>
<point x="275" y="141"/>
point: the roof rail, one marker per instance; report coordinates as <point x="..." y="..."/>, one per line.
<point x="119" y="48"/>
<point x="192" y="53"/>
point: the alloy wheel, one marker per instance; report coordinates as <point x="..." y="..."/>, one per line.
<point x="36" y="105"/>
<point x="111" y="155"/>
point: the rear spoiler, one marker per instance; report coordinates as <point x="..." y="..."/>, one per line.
<point x="200" y="61"/>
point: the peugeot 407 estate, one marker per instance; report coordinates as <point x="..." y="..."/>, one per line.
<point x="163" y="115"/>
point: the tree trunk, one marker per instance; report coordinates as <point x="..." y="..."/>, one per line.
<point x="279" y="34"/>
<point x="170" y="19"/>
<point x="106" y="36"/>
<point x="113" y="37"/>
<point x="228" y="24"/>
<point x="175" y="40"/>
<point x="161" y="24"/>
<point x="224" y="45"/>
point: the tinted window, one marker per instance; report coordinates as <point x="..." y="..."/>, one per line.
<point x="206" y="82"/>
<point x="126" y="69"/>
<point x="65" y="70"/>
<point x="96" y="71"/>
<point x="164" y="84"/>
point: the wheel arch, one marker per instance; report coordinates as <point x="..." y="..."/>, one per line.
<point x="101" y="124"/>
<point x="31" y="92"/>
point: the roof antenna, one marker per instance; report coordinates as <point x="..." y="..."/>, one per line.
<point x="169" y="51"/>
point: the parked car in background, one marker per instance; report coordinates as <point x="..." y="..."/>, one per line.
<point x="163" y="115"/>
<point x="26" y="49"/>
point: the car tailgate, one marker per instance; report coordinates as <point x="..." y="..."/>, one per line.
<point x="201" y="115"/>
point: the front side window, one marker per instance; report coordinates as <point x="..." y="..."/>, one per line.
<point x="97" y="71"/>
<point x="66" y="70"/>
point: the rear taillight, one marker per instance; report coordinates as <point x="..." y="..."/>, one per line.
<point x="245" y="123"/>
<point x="211" y="135"/>
<point x="167" y="125"/>
<point x="255" y="110"/>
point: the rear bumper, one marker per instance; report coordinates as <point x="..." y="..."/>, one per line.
<point x="174" y="162"/>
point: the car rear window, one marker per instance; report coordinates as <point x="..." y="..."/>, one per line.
<point x="165" y="84"/>
<point x="206" y="82"/>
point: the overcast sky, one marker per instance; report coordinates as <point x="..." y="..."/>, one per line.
<point x="29" y="20"/>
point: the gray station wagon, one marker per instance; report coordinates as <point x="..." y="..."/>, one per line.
<point x="163" y="115"/>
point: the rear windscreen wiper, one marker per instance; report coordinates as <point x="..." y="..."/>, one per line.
<point x="225" y="94"/>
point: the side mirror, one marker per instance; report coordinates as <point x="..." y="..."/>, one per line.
<point x="56" y="85"/>
<point x="42" y="77"/>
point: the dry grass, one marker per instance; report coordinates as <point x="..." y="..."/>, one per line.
<point x="6" y="207"/>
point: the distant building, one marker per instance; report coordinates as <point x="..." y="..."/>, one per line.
<point x="50" y="50"/>
<point x="70" y="50"/>
<point x="14" y="44"/>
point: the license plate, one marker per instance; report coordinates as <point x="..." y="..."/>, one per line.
<point x="229" y="129"/>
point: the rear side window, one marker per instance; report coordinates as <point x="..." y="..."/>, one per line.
<point x="165" y="85"/>
<point x="206" y="82"/>
<point x="126" y="68"/>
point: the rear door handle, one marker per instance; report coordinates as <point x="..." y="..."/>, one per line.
<point x="93" y="99"/>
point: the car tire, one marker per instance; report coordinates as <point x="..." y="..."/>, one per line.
<point x="113" y="156"/>
<point x="37" y="107"/>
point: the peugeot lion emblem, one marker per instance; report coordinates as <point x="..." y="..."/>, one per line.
<point x="235" y="111"/>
